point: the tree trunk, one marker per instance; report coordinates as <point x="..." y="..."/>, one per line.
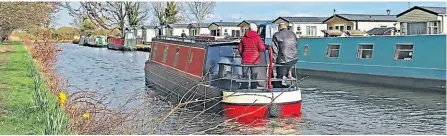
<point x="4" y="34"/>
<point x="122" y="29"/>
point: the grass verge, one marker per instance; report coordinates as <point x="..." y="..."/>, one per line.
<point x="27" y="106"/>
<point x="142" y="47"/>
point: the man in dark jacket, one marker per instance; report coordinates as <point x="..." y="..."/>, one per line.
<point x="249" y="48"/>
<point x="284" y="50"/>
<point x="183" y="35"/>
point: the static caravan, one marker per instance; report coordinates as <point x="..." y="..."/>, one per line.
<point x="148" y="33"/>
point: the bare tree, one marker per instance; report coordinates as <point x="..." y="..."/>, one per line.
<point x="159" y="11"/>
<point x="167" y="12"/>
<point x="199" y="10"/>
<point x="110" y="15"/>
<point x="19" y="15"/>
<point x="137" y="12"/>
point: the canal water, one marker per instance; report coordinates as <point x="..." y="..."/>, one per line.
<point x="328" y="107"/>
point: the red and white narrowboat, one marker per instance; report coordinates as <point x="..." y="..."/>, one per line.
<point x="207" y="75"/>
<point x="125" y="44"/>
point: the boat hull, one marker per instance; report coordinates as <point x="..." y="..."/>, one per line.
<point x="96" y="45"/>
<point x="256" y="115"/>
<point x="386" y="81"/>
<point x="181" y="88"/>
<point x="249" y="106"/>
<point x="119" y="47"/>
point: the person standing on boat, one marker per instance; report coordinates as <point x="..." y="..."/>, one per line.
<point x="183" y="35"/>
<point x="284" y="51"/>
<point x="249" y="48"/>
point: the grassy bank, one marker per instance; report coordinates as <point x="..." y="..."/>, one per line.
<point x="142" y="47"/>
<point x="27" y="107"/>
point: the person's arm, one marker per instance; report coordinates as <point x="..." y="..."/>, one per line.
<point x="275" y="48"/>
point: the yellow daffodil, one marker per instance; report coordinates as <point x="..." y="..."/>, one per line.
<point x="62" y="98"/>
<point x="86" y="115"/>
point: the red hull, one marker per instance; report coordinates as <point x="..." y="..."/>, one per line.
<point x="255" y="115"/>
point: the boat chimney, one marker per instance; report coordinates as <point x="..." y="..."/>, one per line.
<point x="388" y="11"/>
<point x="334" y="11"/>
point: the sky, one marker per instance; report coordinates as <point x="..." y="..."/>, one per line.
<point x="239" y="11"/>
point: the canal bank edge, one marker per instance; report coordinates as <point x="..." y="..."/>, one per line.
<point x="27" y="105"/>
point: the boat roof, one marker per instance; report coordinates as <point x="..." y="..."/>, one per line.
<point x="194" y="42"/>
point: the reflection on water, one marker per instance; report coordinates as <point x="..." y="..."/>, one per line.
<point x="328" y="107"/>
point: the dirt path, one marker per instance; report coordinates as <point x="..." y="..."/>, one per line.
<point x="3" y="57"/>
<point x="3" y="54"/>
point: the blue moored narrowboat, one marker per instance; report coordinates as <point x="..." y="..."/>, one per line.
<point x="417" y="61"/>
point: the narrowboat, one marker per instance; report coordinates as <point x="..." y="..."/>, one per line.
<point x="207" y="75"/>
<point x="414" y="62"/>
<point x="128" y="43"/>
<point x="83" y="39"/>
<point x="97" y="41"/>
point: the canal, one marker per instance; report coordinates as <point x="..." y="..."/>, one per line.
<point x="328" y="107"/>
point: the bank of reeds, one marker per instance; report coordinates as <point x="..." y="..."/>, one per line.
<point x="46" y="104"/>
<point x="84" y="109"/>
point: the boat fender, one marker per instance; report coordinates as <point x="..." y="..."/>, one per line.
<point x="274" y="110"/>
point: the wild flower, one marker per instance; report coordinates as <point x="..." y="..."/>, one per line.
<point x="62" y="98"/>
<point x="86" y="115"/>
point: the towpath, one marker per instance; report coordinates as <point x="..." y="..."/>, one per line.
<point x="3" y="56"/>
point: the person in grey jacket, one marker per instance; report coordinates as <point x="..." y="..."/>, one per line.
<point x="284" y="50"/>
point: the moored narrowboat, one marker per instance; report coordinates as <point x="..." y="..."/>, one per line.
<point x="83" y="39"/>
<point x="416" y="62"/>
<point x="97" y="41"/>
<point x="125" y="44"/>
<point x="207" y="75"/>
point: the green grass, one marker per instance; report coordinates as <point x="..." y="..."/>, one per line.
<point x="21" y="113"/>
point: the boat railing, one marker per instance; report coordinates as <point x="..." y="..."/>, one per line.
<point x="193" y="39"/>
<point x="227" y="72"/>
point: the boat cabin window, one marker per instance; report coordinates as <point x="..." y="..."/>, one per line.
<point x="190" y="55"/>
<point x="333" y="51"/>
<point x="404" y="52"/>
<point x="365" y="51"/>
<point x="306" y="50"/>
<point x="176" y="56"/>
<point x="154" y="51"/>
<point x="165" y="53"/>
